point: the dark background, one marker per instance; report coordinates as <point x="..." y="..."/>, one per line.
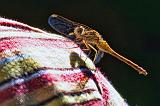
<point x="131" y="27"/>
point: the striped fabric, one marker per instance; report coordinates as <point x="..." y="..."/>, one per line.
<point x="42" y="69"/>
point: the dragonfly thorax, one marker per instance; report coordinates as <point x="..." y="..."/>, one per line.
<point x="89" y="36"/>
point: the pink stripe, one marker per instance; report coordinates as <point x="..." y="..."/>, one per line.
<point x="18" y="25"/>
<point x="77" y="77"/>
<point x="17" y="42"/>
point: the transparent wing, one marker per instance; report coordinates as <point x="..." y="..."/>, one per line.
<point x="63" y="25"/>
<point x="60" y="24"/>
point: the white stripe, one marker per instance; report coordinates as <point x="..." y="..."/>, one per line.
<point x="68" y="99"/>
<point x="32" y="35"/>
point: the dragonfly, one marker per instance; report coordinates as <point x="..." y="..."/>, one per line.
<point x="67" y="28"/>
<point x="90" y="38"/>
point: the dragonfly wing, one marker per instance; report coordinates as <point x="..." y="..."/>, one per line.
<point x="64" y="25"/>
<point x="61" y="24"/>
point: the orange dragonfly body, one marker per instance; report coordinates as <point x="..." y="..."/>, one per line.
<point x="89" y="37"/>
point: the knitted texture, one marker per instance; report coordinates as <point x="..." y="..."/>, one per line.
<point x="42" y="69"/>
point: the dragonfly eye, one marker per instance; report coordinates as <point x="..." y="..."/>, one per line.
<point x="79" y="30"/>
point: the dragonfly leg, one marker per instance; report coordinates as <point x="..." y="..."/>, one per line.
<point x="96" y="52"/>
<point x="87" y="47"/>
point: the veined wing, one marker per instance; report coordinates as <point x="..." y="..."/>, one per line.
<point x="63" y="25"/>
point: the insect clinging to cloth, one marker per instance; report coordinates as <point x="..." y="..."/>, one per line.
<point x="89" y="37"/>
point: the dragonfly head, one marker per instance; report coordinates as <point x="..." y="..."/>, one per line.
<point x="78" y="31"/>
